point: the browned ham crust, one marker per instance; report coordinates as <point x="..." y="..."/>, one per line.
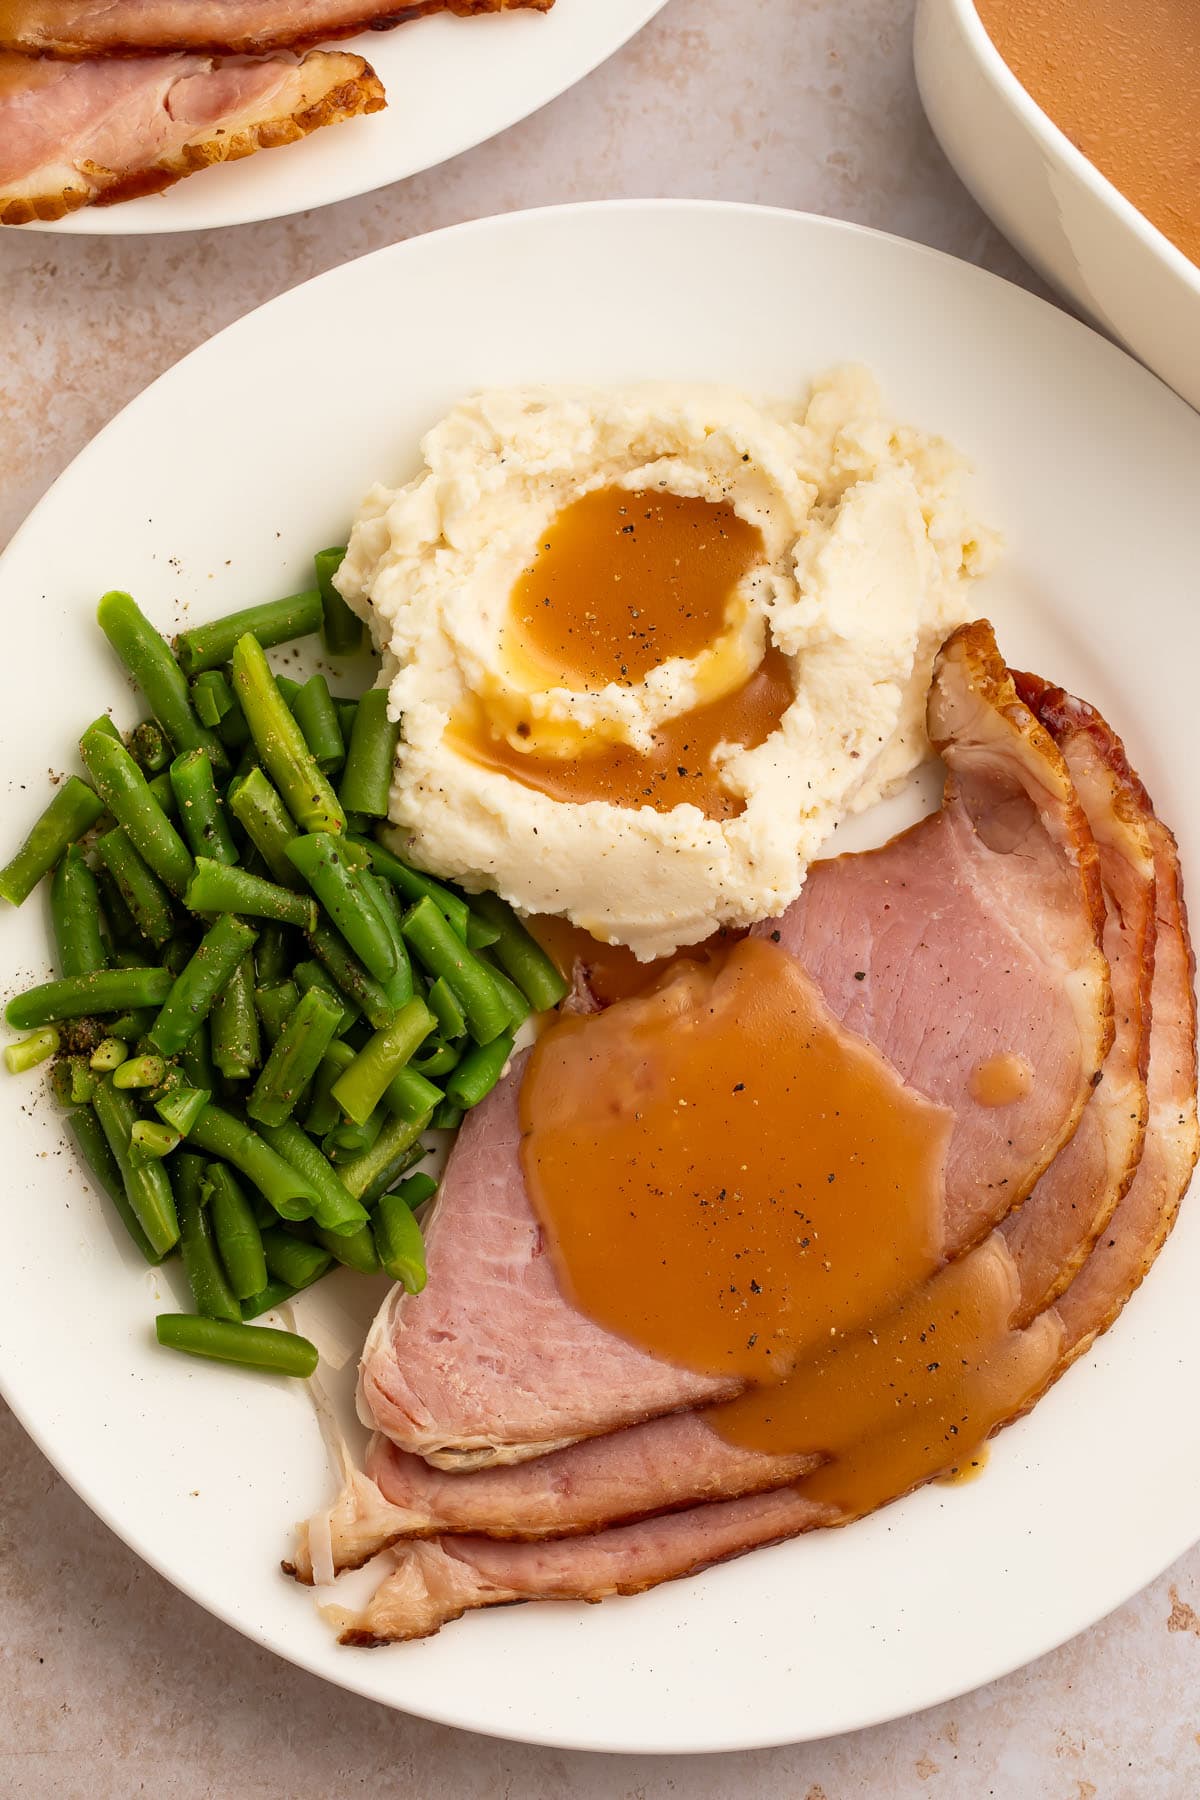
<point x="79" y="28"/>
<point x="92" y="133"/>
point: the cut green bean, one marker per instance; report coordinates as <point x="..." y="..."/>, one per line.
<point x="200" y="982"/>
<point x="267" y="823"/>
<point x="520" y="955"/>
<point x="399" y="1242"/>
<point x="518" y="1006"/>
<point x="446" y="1010"/>
<point x="401" y="986"/>
<point x="337" y="1209"/>
<point x="162" y="791"/>
<point x="478" y="1072"/>
<point x="319" y="859"/>
<point x="30" y="1051"/>
<point x="341" y="628"/>
<point x="182" y="1107"/>
<point x="480" y="935"/>
<point x="308" y="975"/>
<point x="108" y="1054"/>
<point x="177" y="953"/>
<point x="73" y="1082"/>
<point x="356" y="1249"/>
<point x="149" y="748"/>
<point x="150" y="1138"/>
<point x="360" y="1089"/>
<point x="251" y="1346"/>
<point x="323" y="1110"/>
<point x="75" y="916"/>
<point x="436" y="1060"/>
<point x="366" y="782"/>
<point x="101" y="1165"/>
<point x="212" y="698"/>
<point x="122" y="930"/>
<point x="218" y="1133"/>
<point x="211" y="1293"/>
<point x="277" y="622"/>
<point x="105" y="990"/>
<point x="375" y="1170"/>
<point x="274" y="1294"/>
<point x="239" y="1240"/>
<point x="233" y="1025"/>
<point x="275" y="1005"/>
<point x="346" y="1140"/>
<point x="132" y="1025"/>
<point x="410" y="1096"/>
<point x="415" y="1190"/>
<point x="272" y="957"/>
<point x="316" y="715"/>
<point x="293" y="1259"/>
<point x="217" y="888"/>
<point x="144" y="895"/>
<point x="124" y="790"/>
<point x="288" y="688"/>
<point x="147" y="656"/>
<point x="147" y="1187"/>
<point x="351" y="978"/>
<point x="347" y="711"/>
<point x="448" y="1117"/>
<point x="295" y="1057"/>
<point x="304" y="790"/>
<point x="139" y="1072"/>
<point x="413" y="885"/>
<point x="470" y="981"/>
<point x="195" y="1060"/>
<point x="72" y="812"/>
<point x="201" y="808"/>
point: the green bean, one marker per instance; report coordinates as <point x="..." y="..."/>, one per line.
<point x="274" y="1294"/>
<point x="436" y="1061"/>
<point x="520" y="955"/>
<point x="201" y="981"/>
<point x="399" y="1242"/>
<point x="147" y="656"/>
<point x="323" y="1110"/>
<point x="251" y="1346"/>
<point x="30" y="1051"/>
<point x="108" y="1054"/>
<point x="275" y="1005"/>
<point x="161" y="790"/>
<point x="370" y="757"/>
<point x="122" y="931"/>
<point x="448" y="1117"/>
<point x="131" y="1025"/>
<point x="294" y="1058"/>
<point x="289" y="689"/>
<point x="518" y="1006"/>
<point x="147" y="900"/>
<point x="401" y="986"/>
<point x="446" y="1010"/>
<point x="356" y="1249"/>
<point x="352" y="909"/>
<point x="266" y="821"/>
<point x="122" y="786"/>
<point x="105" y="723"/>
<point x="212" y="698"/>
<point x="272" y="958"/>
<point x="351" y="978"/>
<point x="72" y="812"/>
<point x="139" y="1072"/>
<point x="308" y="975"/>
<point x="72" y="1082"/>
<point x="317" y="718"/>
<point x="148" y="747"/>
<point x="480" y="935"/>
<point x="182" y="1107"/>
<point x="293" y="1259"/>
<point x="280" y="742"/>
<point x="277" y="622"/>
<point x="414" y="886"/>
<point x="341" y="629"/>
<point x="234" y="1025"/>
<point x="360" y="1089"/>
<point x="217" y="888"/>
<point x="177" y="953"/>
<point x="374" y="1171"/>
<point x="239" y="1241"/>
<point x="150" y="1138"/>
<point x="195" y="1060"/>
<point x="470" y="981"/>
<point x="346" y="1140"/>
<point x="347" y="712"/>
<point x="201" y="808"/>
<point x="101" y="1165"/>
<point x="410" y="1095"/>
<point x="105" y="990"/>
<point x="147" y="1188"/>
<point x="415" y="1190"/>
<point x="337" y="1209"/>
<point x="211" y="1293"/>
<point x="219" y="1133"/>
<point x="75" y="916"/>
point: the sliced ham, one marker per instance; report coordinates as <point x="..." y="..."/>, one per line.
<point x="76" y="28"/>
<point x="91" y="133"/>
<point x="977" y="931"/>
<point x="433" y="1582"/>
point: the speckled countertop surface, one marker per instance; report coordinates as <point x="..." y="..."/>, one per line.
<point x="114" y="1684"/>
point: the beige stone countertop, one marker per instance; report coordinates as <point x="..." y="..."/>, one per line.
<point x="113" y="1683"/>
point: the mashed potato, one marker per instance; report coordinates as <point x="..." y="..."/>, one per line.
<point x="866" y="558"/>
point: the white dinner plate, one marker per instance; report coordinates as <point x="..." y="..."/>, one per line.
<point x="450" y="84"/>
<point x="210" y="491"/>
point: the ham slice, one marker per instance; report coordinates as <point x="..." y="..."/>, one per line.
<point x="76" y="28"/>
<point x="976" y="931"/>
<point x="91" y="133"/>
<point x="434" y="1582"/>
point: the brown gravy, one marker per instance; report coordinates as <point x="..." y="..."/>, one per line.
<point x="612" y="971"/>
<point x="1122" y="80"/>
<point x="1001" y="1080"/>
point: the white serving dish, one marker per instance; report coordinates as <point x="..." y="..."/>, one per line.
<point x="1068" y="219"/>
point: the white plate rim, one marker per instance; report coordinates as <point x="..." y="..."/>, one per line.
<point x="1085" y="1614"/>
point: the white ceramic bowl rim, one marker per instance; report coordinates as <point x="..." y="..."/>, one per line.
<point x="1055" y="142"/>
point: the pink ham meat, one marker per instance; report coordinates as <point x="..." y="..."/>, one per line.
<point x="77" y="28"/>
<point x="989" y="911"/>
<point x="433" y="1582"/>
<point x="90" y="133"/>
